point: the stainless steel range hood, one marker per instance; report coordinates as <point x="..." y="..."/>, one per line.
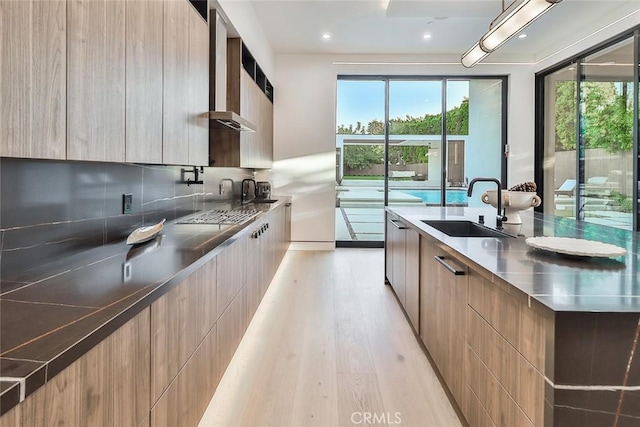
<point x="221" y="118"/>
<point x="225" y="120"/>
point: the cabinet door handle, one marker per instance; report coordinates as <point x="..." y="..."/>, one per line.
<point x="446" y="265"/>
<point x="398" y="224"/>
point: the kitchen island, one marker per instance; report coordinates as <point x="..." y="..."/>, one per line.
<point x="110" y="335"/>
<point x="522" y="337"/>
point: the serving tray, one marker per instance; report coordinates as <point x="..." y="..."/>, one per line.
<point x="575" y="247"/>
<point x="144" y="234"/>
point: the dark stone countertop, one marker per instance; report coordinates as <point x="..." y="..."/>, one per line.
<point x="52" y="314"/>
<point x="559" y="283"/>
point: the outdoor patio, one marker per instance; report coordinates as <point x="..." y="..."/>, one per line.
<point x="359" y="211"/>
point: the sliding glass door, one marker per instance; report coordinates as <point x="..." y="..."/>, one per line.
<point x="588" y="137"/>
<point x="414" y="141"/>
<point x="360" y="145"/>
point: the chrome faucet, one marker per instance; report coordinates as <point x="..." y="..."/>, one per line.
<point x="500" y="217"/>
<point x="245" y="190"/>
<point x="221" y="185"/>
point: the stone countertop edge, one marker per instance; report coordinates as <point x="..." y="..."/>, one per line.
<point x="552" y="270"/>
<point x="14" y="390"/>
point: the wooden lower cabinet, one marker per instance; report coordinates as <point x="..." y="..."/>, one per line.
<point x="255" y="269"/>
<point x="488" y="344"/>
<point x="231" y="327"/>
<point x="507" y="339"/>
<point x="31" y="412"/>
<point x="180" y="320"/>
<point x="443" y="303"/>
<point x="402" y="251"/>
<point x="231" y="272"/>
<point x="188" y="395"/>
<point x="412" y="277"/>
<point x="108" y="386"/>
<point x="162" y="367"/>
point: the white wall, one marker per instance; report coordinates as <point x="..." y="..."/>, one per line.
<point x="304" y="126"/>
<point x="610" y="30"/>
<point x="241" y="17"/>
<point x="483" y="150"/>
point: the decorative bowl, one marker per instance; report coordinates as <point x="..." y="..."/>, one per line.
<point x="144" y="234"/>
<point x="513" y="202"/>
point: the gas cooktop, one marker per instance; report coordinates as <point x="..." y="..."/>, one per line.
<point x="221" y="217"/>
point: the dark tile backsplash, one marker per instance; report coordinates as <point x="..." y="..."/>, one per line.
<point x="53" y="209"/>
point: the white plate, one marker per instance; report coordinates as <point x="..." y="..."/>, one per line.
<point x="144" y="234"/>
<point x="576" y="247"/>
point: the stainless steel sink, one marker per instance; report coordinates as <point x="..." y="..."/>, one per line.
<point x="464" y="229"/>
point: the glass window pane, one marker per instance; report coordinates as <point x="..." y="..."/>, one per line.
<point x="360" y="160"/>
<point x="559" y="166"/>
<point x="607" y="125"/>
<point x="415" y="129"/>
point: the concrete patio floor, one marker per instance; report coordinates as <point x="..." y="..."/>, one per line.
<point x="359" y="210"/>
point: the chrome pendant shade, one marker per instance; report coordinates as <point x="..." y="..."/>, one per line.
<point x="510" y="22"/>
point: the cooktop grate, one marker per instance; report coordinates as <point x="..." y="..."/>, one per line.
<point x="221" y="217"/>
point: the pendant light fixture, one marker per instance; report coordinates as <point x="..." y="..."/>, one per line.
<point x="510" y="22"/>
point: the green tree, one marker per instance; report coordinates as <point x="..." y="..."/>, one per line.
<point x="375" y="127"/>
<point x="608" y="117"/>
<point x="565" y="103"/>
<point x="359" y="157"/>
<point x="408" y="155"/>
<point x="607" y="113"/>
<point x="429" y="124"/>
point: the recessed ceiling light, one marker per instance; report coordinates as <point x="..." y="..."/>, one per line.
<point x="326" y="36"/>
<point x="522" y="36"/>
<point x="427" y="36"/>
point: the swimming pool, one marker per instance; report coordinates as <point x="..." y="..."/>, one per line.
<point x="432" y="197"/>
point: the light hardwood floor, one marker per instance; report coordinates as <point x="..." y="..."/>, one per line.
<point x="328" y="344"/>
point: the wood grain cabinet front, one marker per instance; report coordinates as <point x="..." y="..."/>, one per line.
<point x="144" y="62"/>
<point x="185" y="86"/>
<point x="33" y="87"/>
<point x="180" y="320"/>
<point x="96" y="80"/>
<point x="198" y="88"/>
<point x="188" y="395"/>
<point x="108" y="386"/>
<point x="443" y="303"/>
<point x="231" y="272"/>
<point x="507" y="339"/>
<point x="402" y="248"/>
<point x="487" y="342"/>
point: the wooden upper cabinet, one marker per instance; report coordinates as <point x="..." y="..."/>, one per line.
<point x="186" y="86"/>
<point x="33" y="49"/>
<point x="175" y="97"/>
<point x="144" y="38"/>
<point x="96" y="80"/>
<point x="198" y="81"/>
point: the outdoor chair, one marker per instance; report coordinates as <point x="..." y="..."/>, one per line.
<point x="567" y="188"/>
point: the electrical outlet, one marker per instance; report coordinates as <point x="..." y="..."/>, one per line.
<point x="127" y="203"/>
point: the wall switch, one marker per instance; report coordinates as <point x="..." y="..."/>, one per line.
<point x="127" y="203"/>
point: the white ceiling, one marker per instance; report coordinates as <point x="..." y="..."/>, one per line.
<point x="398" y="26"/>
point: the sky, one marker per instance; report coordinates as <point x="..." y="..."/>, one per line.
<point x="364" y="100"/>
